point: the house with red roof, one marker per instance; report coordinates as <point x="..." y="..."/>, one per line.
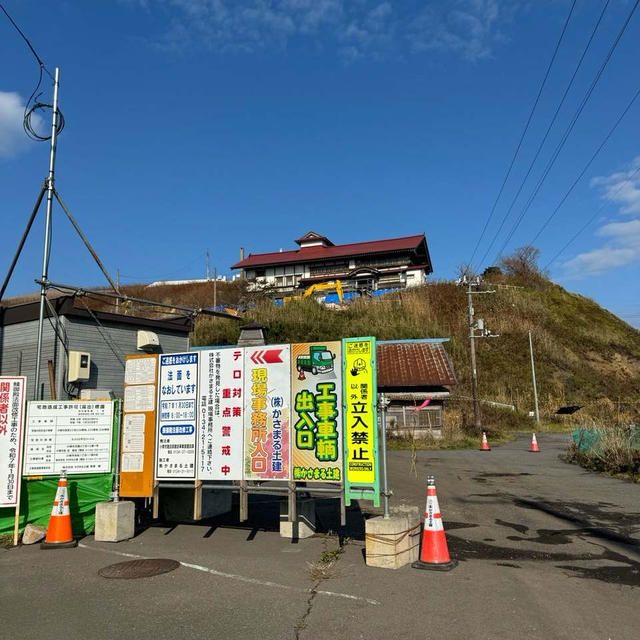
<point x="362" y="267"/>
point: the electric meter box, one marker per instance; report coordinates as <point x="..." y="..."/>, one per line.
<point x="79" y="366"/>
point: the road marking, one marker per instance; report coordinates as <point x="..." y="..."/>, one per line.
<point x="238" y="578"/>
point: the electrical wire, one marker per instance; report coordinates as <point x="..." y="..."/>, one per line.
<point x="590" y="220"/>
<point x="24" y="37"/>
<point x="524" y="132"/>
<point x="33" y="105"/>
<point x="546" y="135"/>
<point x="584" y="170"/>
<point x="28" y="126"/>
<point x="568" y="131"/>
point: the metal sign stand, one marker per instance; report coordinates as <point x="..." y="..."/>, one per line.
<point x="49" y="188"/>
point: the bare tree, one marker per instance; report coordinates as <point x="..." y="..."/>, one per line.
<point x="523" y="263"/>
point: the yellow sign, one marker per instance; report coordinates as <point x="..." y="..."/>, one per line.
<point x="360" y="419"/>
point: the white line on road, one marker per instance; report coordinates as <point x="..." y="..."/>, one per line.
<point x="233" y="576"/>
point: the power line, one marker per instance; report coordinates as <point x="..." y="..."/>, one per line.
<point x="24" y="37"/>
<point x="590" y="220"/>
<point x="546" y="135"/>
<point x="568" y="131"/>
<point x="593" y="157"/>
<point x="524" y="132"/>
<point x="29" y="108"/>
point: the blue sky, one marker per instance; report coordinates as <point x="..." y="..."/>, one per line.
<point x="197" y="125"/>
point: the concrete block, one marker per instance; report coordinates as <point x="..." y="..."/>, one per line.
<point x="306" y="523"/>
<point x="414" y="520"/>
<point x="115" y="521"/>
<point x="388" y="541"/>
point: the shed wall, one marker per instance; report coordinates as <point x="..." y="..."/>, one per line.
<point x="18" y="347"/>
<point x="108" y="343"/>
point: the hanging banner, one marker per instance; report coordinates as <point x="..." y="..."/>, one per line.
<point x="71" y="436"/>
<point x="12" y="392"/>
<point x="221" y="408"/>
<point x="137" y="443"/>
<point x="360" y="420"/>
<point x="267" y="397"/>
<point x="316" y="411"/>
<point x="177" y="418"/>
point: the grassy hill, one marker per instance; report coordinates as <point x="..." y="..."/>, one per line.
<point x="584" y="354"/>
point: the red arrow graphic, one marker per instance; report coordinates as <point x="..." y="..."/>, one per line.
<point x="268" y="356"/>
<point x="272" y="355"/>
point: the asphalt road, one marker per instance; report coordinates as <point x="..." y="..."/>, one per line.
<point x="546" y="550"/>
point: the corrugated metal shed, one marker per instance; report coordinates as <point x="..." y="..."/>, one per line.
<point x="414" y="365"/>
<point x="108" y="337"/>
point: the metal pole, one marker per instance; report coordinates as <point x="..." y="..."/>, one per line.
<point x="87" y="244"/>
<point x="474" y="370"/>
<point x="533" y="376"/>
<point x="115" y="493"/>
<point x="47" y="232"/>
<point x="23" y="240"/>
<point x="383" y="403"/>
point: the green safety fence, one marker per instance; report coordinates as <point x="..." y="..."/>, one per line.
<point x="589" y="440"/>
<point x="85" y="491"/>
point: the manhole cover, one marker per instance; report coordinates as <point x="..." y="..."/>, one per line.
<point x="138" y="568"/>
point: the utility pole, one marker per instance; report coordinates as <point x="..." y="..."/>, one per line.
<point x="474" y="370"/>
<point x="47" y="232"/>
<point x="118" y="285"/>
<point x="215" y="287"/>
<point x="477" y="329"/>
<point x="208" y="270"/>
<point x="533" y="376"/>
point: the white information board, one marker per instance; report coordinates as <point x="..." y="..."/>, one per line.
<point x="220" y="405"/>
<point x="177" y="417"/>
<point x="12" y="390"/>
<point x="72" y="436"/>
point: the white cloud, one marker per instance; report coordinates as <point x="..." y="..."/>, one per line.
<point x="622" y="247"/>
<point x="622" y="187"/>
<point x="353" y="28"/>
<point x="466" y="27"/>
<point x="12" y="136"/>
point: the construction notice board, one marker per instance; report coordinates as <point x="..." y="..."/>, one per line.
<point x="220" y="434"/>
<point x="360" y="420"/>
<point x="12" y="390"/>
<point x="138" y="437"/>
<point x="76" y="437"/>
<point x="177" y="417"/>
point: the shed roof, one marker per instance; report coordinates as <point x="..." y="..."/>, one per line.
<point x="66" y="305"/>
<point x="414" y="365"/>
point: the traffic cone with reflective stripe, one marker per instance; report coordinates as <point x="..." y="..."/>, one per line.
<point x="485" y="443"/>
<point x="59" y="534"/>
<point x="534" y="444"/>
<point x="434" y="553"/>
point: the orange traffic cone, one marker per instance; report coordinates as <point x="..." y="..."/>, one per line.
<point x="59" y="534"/>
<point x="434" y="553"/>
<point x="534" y="444"/>
<point x="485" y="443"/>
